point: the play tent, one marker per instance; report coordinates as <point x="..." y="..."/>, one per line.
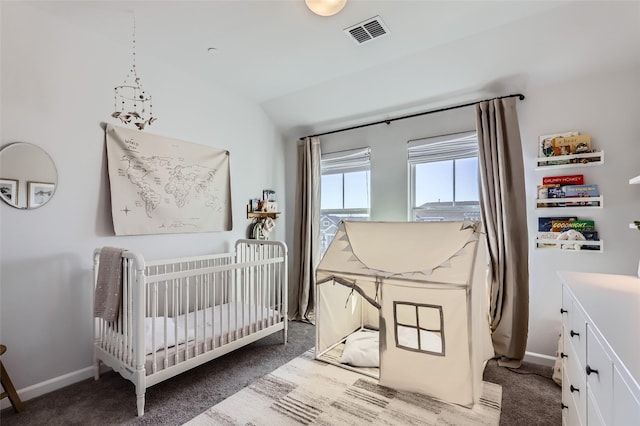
<point x="422" y="285"/>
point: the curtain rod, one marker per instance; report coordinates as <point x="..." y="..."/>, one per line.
<point x="389" y="120"/>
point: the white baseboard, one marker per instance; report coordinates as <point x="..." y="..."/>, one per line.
<point x="539" y="359"/>
<point x="50" y="385"/>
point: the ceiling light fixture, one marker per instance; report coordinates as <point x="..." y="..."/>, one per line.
<point x="325" y="7"/>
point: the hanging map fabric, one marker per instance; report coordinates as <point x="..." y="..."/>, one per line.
<point x="166" y="186"/>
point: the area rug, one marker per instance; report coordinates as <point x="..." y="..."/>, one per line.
<point x="310" y="392"/>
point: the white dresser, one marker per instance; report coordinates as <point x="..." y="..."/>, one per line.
<point x="601" y="349"/>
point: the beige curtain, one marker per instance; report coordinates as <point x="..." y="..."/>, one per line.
<point x="306" y="240"/>
<point x="502" y="202"/>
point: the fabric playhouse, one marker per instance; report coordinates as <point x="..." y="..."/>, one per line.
<point x="419" y="291"/>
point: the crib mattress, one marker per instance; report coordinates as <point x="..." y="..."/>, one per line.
<point x="209" y="329"/>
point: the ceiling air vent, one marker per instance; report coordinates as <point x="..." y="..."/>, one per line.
<point x="368" y="30"/>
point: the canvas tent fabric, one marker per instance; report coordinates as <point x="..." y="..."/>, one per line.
<point x="409" y="279"/>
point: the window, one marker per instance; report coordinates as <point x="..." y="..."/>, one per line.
<point x="444" y="178"/>
<point x="419" y="327"/>
<point x="345" y="189"/>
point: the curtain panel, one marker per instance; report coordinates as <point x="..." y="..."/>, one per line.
<point x="503" y="206"/>
<point x="306" y="240"/>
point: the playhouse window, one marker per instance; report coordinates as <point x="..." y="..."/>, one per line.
<point x="419" y="327"/>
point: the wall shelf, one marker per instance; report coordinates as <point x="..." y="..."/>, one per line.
<point x="555" y="244"/>
<point x="569" y="205"/>
<point x="635" y="180"/>
<point x="574" y="200"/>
<point x="590" y="158"/>
<point x="262" y="215"/>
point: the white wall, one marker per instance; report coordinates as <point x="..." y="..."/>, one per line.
<point x="57" y="89"/>
<point x="605" y="106"/>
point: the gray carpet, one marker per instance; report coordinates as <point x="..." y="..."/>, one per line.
<point x="527" y="398"/>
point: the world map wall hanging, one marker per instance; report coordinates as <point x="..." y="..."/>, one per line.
<point x="161" y="185"/>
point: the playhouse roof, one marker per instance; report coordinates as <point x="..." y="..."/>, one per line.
<point x="440" y="252"/>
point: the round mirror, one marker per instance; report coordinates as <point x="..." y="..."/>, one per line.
<point x="28" y="176"/>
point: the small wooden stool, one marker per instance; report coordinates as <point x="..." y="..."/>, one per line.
<point x="9" y="390"/>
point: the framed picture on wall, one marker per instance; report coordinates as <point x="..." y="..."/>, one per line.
<point x="39" y="193"/>
<point x="9" y="190"/>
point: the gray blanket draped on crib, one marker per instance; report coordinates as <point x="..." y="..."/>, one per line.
<point x="109" y="284"/>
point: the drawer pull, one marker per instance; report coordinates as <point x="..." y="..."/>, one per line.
<point x="574" y="389"/>
<point x="563" y="406"/>
<point x="591" y="370"/>
<point x="563" y="311"/>
<point x="563" y="355"/>
<point x="573" y="333"/>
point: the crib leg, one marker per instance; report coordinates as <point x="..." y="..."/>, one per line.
<point x="96" y="369"/>
<point x="140" y="403"/>
<point x="284" y="332"/>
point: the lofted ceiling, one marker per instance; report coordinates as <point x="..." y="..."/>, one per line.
<point x="309" y="75"/>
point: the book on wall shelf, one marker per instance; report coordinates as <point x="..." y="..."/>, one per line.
<point x="559" y="195"/>
<point x="568" y="233"/>
<point x="563" y="180"/>
<point x="567" y="149"/>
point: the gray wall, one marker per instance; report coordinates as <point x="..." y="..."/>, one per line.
<point x="57" y="89"/>
<point x="605" y="106"/>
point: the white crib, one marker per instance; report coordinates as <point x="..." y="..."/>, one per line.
<point x="180" y="313"/>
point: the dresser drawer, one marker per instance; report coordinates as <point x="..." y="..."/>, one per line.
<point x="626" y="407"/>
<point x="594" y="417"/>
<point x="570" y="410"/>
<point x="574" y="382"/>
<point x="575" y="324"/>
<point x="576" y="338"/>
<point x="599" y="369"/>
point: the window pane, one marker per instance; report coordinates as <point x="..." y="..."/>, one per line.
<point x="331" y="192"/>
<point x="434" y="182"/>
<point x="356" y="190"/>
<point x="467" y="179"/>
<point x="407" y="337"/>
<point x="431" y="342"/>
<point x="429" y="317"/>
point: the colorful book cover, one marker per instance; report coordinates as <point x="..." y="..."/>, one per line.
<point x="556" y="192"/>
<point x="578" y="225"/>
<point x="545" y="142"/>
<point x="564" y="180"/>
<point x="590" y="236"/>
<point x="543" y="193"/>
<point x="544" y="223"/>
<point x="581" y="190"/>
<point x="548" y="236"/>
<point x="577" y="144"/>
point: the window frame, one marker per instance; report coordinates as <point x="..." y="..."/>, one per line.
<point x="342" y="162"/>
<point x="464" y="146"/>
<point x="417" y="326"/>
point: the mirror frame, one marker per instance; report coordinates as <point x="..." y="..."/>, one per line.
<point x="26" y="183"/>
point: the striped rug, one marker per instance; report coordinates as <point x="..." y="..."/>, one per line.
<point x="309" y="392"/>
